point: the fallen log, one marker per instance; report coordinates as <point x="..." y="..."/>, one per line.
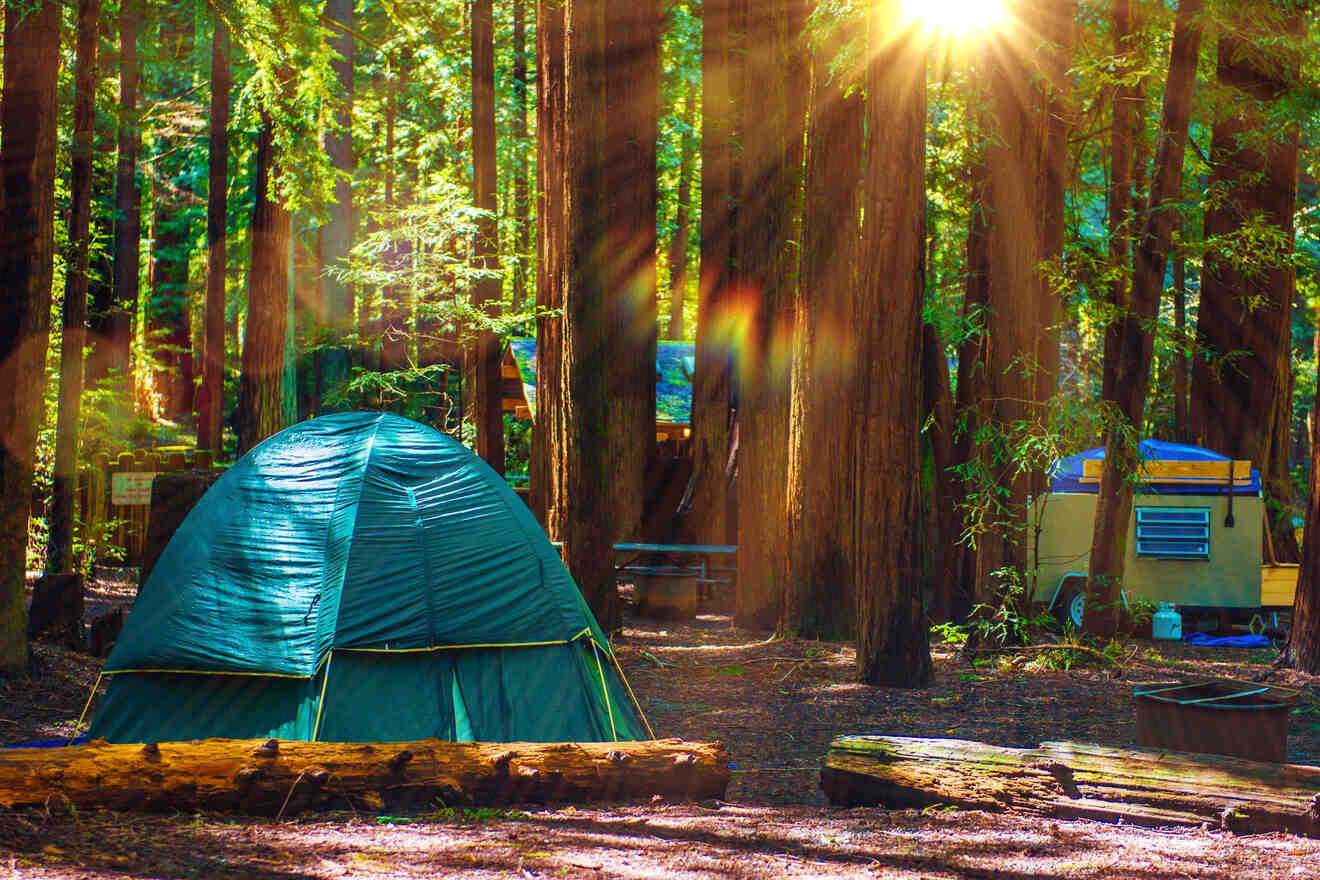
<point x="1072" y="780"/>
<point x="274" y="776"/>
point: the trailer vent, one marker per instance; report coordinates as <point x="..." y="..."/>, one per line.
<point x="1173" y="532"/>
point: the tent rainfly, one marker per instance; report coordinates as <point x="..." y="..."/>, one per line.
<point x="362" y="578"/>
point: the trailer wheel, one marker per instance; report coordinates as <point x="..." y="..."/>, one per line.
<point x="1071" y="603"/>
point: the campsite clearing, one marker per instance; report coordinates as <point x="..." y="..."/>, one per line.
<point x="776" y="705"/>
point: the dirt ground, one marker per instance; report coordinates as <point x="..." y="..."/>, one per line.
<point x="775" y="704"/>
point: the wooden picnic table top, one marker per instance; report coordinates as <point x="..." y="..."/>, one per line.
<point x="694" y="549"/>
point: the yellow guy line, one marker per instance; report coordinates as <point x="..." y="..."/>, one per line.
<point x="605" y="689"/>
<point x="636" y="705"/>
<point x="320" y="705"/>
<point x="88" y="704"/>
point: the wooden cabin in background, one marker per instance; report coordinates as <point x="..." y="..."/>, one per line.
<point x="668" y="476"/>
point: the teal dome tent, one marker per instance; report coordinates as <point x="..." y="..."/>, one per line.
<point x="362" y="578"/>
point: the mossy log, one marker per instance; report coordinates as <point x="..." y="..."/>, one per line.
<point x="267" y="777"/>
<point x="1072" y="780"/>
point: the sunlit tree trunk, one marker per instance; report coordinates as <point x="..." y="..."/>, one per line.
<point x="521" y="210"/>
<point x="489" y="412"/>
<point x="1304" y="639"/>
<point x="546" y="477"/>
<point x="766" y="279"/>
<point x="588" y="521"/>
<point x="1244" y="318"/>
<point x="632" y="37"/>
<point x="1134" y="341"/>
<point x="941" y="564"/>
<point x="211" y="394"/>
<point x="820" y="597"/>
<point x="678" y="245"/>
<point x="710" y="520"/>
<point x="28" y="108"/>
<point x="261" y="383"/>
<point x="892" y="632"/>
<point x="335" y="238"/>
<point x="59" y="550"/>
<point x="118" y="329"/>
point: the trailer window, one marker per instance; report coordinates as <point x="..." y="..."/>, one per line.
<point x="1173" y="532"/>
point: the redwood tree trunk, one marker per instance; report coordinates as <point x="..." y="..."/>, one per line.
<point x="1134" y="342"/>
<point x="128" y="204"/>
<point x="893" y="645"/>
<point x="632" y="35"/>
<point x="1234" y="405"/>
<point x="59" y="549"/>
<point x="820" y="597"/>
<point x="261" y="383"/>
<point x="678" y="246"/>
<point x="211" y="394"/>
<point x="546" y="467"/>
<point x="1304" y="639"/>
<point x="489" y="409"/>
<point x="521" y="211"/>
<point x="710" y="520"/>
<point x="766" y="272"/>
<point x="28" y="107"/>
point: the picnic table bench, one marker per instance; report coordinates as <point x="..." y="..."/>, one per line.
<point x="673" y="577"/>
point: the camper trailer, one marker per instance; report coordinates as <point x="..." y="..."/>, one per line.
<point x="1194" y="537"/>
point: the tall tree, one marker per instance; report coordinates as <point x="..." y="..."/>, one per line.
<point x="587" y="524"/>
<point x="1023" y="207"/>
<point x="261" y="382"/>
<point x="766" y="276"/>
<point x="678" y="244"/>
<point x="1127" y="366"/>
<point x="546" y="474"/>
<point x="28" y="107"/>
<point x="521" y="208"/>
<point x="169" y="311"/>
<point x="211" y="394"/>
<point x="821" y="595"/>
<point x="59" y="552"/>
<point x="335" y="238"/>
<point x="711" y="518"/>
<point x="1247" y="288"/>
<point x="632" y="97"/>
<point x="893" y="647"/>
<point x="489" y="411"/>
<point x="118" y="328"/>
<point x="1304" y="640"/>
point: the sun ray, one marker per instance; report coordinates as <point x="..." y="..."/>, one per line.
<point x="958" y="18"/>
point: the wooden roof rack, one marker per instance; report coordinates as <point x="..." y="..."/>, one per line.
<point x="1201" y="473"/>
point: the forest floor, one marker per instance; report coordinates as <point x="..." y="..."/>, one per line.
<point x="776" y="704"/>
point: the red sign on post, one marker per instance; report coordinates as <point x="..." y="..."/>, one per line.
<point x="131" y="488"/>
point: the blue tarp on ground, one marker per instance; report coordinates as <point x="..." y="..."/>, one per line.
<point x="1066" y="475"/>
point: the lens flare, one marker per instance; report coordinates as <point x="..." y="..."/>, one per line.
<point x="957" y="18"/>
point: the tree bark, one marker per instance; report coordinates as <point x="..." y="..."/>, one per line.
<point x="59" y="550"/>
<point x="169" y="312"/>
<point x="1180" y="430"/>
<point x="711" y="520"/>
<point x="632" y="35"/>
<point x="489" y="410"/>
<point x="678" y="245"/>
<point x="336" y="236"/>
<point x="1304" y="638"/>
<point x="768" y="197"/>
<point x="261" y="382"/>
<point x="941" y="565"/>
<point x="282" y="777"/>
<point x="1074" y="781"/>
<point x="521" y="210"/>
<point x="128" y="205"/>
<point x="587" y="522"/>
<point x="893" y="646"/>
<point x="546" y="472"/>
<point x="28" y="108"/>
<point x="211" y="394"/>
<point x="1235" y="398"/>
<point x="820" y="596"/>
<point x="1134" y="340"/>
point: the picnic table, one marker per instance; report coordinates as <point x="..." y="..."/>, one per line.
<point x="680" y="559"/>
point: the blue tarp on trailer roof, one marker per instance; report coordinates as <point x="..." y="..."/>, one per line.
<point x="1066" y="474"/>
